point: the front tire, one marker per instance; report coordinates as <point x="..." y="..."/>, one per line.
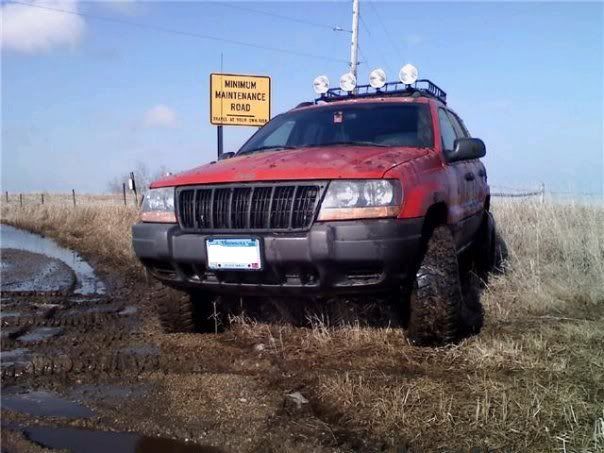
<point x="183" y="312"/>
<point x="435" y="305"/>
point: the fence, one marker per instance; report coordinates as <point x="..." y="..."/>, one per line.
<point x="126" y="198"/>
<point x="130" y="198"/>
<point x="518" y="193"/>
<point x="550" y="195"/>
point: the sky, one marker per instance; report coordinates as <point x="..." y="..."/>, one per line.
<point x="86" y="97"/>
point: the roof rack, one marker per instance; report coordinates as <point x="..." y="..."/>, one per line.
<point x="389" y="89"/>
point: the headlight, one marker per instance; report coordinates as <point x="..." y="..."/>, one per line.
<point x="372" y="198"/>
<point x="158" y="206"/>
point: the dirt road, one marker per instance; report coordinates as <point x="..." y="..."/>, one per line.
<point x="92" y="371"/>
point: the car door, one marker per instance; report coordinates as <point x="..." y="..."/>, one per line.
<point x="461" y="181"/>
<point x="479" y="188"/>
<point x="475" y="178"/>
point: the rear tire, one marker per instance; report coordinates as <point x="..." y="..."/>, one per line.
<point x="183" y="312"/>
<point x="435" y="305"/>
<point x="490" y="251"/>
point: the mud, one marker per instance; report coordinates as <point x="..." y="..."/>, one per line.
<point x="93" y="372"/>
<point x="13" y="238"/>
<point x="87" y="441"/>
<point x="30" y="272"/>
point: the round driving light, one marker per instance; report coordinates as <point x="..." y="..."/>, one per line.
<point x="408" y="74"/>
<point x="348" y="81"/>
<point x="321" y="84"/>
<point x="377" y="78"/>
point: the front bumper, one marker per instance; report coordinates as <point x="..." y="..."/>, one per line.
<point x="331" y="258"/>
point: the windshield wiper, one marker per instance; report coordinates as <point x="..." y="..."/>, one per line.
<point x="351" y="143"/>
<point x="266" y="148"/>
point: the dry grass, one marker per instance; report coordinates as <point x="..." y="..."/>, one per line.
<point x="96" y="230"/>
<point x="533" y="380"/>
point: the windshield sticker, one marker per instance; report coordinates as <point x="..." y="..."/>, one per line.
<point x="338" y="117"/>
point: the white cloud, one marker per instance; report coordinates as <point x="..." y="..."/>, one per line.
<point x="160" y="116"/>
<point x="31" y="29"/>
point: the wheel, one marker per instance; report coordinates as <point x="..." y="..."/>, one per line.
<point x="490" y="251"/>
<point x="438" y="312"/>
<point x="500" y="253"/>
<point x="483" y="253"/>
<point x="183" y="312"/>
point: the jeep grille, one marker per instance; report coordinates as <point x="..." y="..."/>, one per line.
<point x="249" y="207"/>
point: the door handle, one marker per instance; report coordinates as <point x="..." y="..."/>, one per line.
<point x="469" y="176"/>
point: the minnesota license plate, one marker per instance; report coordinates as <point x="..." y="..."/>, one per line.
<point x="234" y="254"/>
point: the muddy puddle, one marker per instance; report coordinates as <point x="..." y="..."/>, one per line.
<point x="40" y="334"/>
<point x="88" y="441"/>
<point x="86" y="280"/>
<point x="12" y="357"/>
<point x="41" y="403"/>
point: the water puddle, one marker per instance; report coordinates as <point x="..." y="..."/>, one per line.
<point x="87" y="441"/>
<point x="12" y="357"/>
<point x="9" y="314"/>
<point x="40" y="334"/>
<point x="129" y="310"/>
<point x="107" y="393"/>
<point x="87" y="282"/>
<point x="41" y="403"/>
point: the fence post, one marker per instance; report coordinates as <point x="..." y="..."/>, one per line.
<point x="542" y="196"/>
<point x="21" y="199"/>
<point x="42" y="198"/>
<point x="73" y="196"/>
<point x="133" y="187"/>
<point x="124" y="192"/>
<point x="6" y="194"/>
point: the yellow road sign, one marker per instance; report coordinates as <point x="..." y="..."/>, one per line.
<point x="239" y="100"/>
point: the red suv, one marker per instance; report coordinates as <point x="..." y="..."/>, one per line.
<point x="376" y="191"/>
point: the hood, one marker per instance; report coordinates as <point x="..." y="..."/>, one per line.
<point x="334" y="162"/>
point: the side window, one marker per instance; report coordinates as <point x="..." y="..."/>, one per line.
<point x="447" y="133"/>
<point x="460" y="130"/>
<point x="280" y="136"/>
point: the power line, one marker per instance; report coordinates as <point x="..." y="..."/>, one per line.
<point x="370" y="36"/>
<point x="182" y="33"/>
<point x="283" y="17"/>
<point x="388" y="35"/>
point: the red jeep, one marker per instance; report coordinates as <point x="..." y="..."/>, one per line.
<point x="376" y="191"/>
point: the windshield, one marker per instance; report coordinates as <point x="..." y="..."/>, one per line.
<point x="367" y="124"/>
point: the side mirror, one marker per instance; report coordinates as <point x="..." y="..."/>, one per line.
<point x="225" y="156"/>
<point x="466" y="149"/>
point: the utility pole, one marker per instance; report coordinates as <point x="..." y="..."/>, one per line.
<point x="354" y="45"/>
<point x="219" y="134"/>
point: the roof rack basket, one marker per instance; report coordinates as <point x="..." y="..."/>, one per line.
<point x="423" y="87"/>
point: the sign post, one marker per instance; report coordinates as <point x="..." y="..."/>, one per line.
<point x="239" y="100"/>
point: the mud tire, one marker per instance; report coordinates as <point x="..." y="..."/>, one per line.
<point x="500" y="254"/>
<point x="490" y="251"/>
<point x="183" y="312"/>
<point x="435" y="305"/>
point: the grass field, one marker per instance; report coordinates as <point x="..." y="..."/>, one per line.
<point x="533" y="380"/>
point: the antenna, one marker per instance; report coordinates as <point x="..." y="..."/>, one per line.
<point x="354" y="45"/>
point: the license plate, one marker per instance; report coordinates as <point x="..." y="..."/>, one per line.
<point x="234" y="254"/>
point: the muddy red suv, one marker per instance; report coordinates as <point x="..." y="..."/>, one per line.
<point x="372" y="192"/>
